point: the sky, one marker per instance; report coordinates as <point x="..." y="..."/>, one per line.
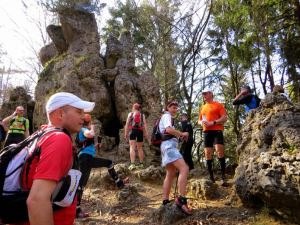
<point x="23" y="34"/>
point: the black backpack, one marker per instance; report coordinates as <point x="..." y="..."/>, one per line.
<point x="13" y="207"/>
<point x="156" y="137"/>
<point x="2" y="133"/>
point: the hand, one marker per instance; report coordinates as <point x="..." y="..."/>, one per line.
<point x="98" y="145"/>
<point x="244" y="92"/>
<point x="15" y="113"/>
<point x="208" y="123"/>
<point x="184" y="136"/>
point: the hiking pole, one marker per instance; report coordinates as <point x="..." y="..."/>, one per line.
<point x="175" y="191"/>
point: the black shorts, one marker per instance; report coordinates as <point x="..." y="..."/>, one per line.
<point x="212" y="137"/>
<point x="136" y="135"/>
<point x="14" y="138"/>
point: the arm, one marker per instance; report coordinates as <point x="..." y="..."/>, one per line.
<point x="4" y="126"/>
<point x="222" y="114"/>
<point x="242" y="99"/>
<point x="89" y="133"/>
<point x="6" y="120"/>
<point x="39" y="205"/>
<point x="177" y="133"/>
<point x="221" y="120"/>
<point x="200" y="117"/>
<point x="27" y="128"/>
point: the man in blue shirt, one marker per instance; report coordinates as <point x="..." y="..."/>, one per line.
<point x="246" y="97"/>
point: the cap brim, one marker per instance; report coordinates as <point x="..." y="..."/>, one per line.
<point x="85" y="105"/>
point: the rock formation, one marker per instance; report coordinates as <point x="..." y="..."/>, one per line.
<point x="111" y="81"/>
<point x="269" y="157"/>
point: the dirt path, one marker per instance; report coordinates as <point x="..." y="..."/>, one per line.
<point x="101" y="201"/>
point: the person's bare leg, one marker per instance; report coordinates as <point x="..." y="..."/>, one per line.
<point x="183" y="169"/>
<point x="132" y="145"/>
<point x="170" y="175"/>
<point x="140" y="151"/>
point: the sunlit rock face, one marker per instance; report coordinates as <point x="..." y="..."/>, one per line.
<point x="111" y="81"/>
<point x="269" y="157"/>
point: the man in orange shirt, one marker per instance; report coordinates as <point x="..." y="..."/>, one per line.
<point x="212" y="116"/>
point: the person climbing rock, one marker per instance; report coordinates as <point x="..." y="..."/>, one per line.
<point x="87" y="160"/>
<point x="212" y="118"/>
<point x="135" y="130"/>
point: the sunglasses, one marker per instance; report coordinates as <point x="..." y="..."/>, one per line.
<point x="173" y="103"/>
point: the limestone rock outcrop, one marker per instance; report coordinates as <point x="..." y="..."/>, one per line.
<point x="203" y="188"/>
<point x="167" y="215"/>
<point x="111" y="81"/>
<point x="47" y="53"/>
<point x="151" y="173"/>
<point x="269" y="157"/>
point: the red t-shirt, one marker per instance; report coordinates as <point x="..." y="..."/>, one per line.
<point x="53" y="164"/>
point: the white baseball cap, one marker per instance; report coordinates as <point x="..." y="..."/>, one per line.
<point x="207" y="89"/>
<point x="61" y="99"/>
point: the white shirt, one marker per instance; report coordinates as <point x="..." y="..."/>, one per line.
<point x="165" y="121"/>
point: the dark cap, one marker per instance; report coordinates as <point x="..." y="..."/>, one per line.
<point x="247" y="88"/>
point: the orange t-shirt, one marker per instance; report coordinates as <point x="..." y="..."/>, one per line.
<point x="212" y="111"/>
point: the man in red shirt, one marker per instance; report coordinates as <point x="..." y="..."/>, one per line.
<point x="66" y="111"/>
<point x="212" y="116"/>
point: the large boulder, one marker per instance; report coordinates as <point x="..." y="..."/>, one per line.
<point x="167" y="215"/>
<point x="47" y="53"/>
<point x="112" y="82"/>
<point x="57" y="36"/>
<point x="269" y="157"/>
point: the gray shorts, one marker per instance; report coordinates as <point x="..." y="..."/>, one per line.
<point x="169" y="151"/>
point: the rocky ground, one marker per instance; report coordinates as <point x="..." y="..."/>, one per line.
<point x="140" y="203"/>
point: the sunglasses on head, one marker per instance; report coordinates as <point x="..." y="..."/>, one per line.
<point x="173" y="103"/>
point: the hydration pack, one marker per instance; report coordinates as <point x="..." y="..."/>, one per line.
<point x="157" y="137"/>
<point x="2" y="133"/>
<point x="15" y="162"/>
<point x="136" y="119"/>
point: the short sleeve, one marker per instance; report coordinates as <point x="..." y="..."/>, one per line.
<point x="55" y="158"/>
<point x="166" y="121"/>
<point x="222" y="110"/>
<point x="27" y="124"/>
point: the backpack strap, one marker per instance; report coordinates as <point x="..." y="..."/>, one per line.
<point x="37" y="151"/>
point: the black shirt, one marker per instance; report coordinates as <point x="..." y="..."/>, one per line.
<point x="187" y="127"/>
